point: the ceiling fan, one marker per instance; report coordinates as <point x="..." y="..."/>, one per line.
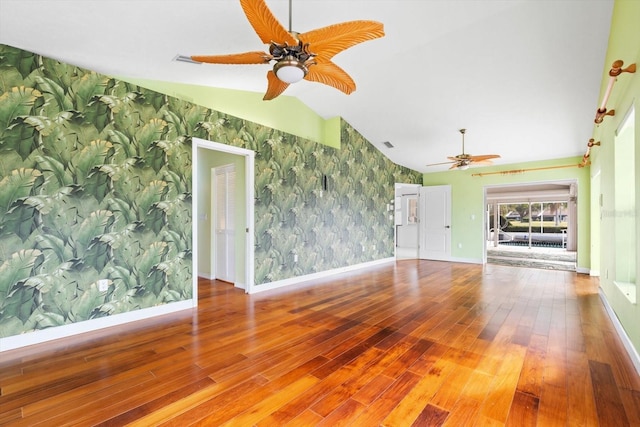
<point x="463" y="161"/>
<point x="298" y="56"/>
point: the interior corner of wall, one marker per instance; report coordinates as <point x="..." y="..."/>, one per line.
<point x="332" y="132"/>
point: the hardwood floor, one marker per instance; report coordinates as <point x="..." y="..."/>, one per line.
<point x="415" y="343"/>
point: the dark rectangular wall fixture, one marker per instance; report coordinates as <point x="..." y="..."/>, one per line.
<point x="325" y="182"/>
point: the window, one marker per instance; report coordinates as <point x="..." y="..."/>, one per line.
<point x="625" y="207"/>
<point x="533" y="224"/>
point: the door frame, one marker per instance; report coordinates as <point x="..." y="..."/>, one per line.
<point x="249" y="162"/>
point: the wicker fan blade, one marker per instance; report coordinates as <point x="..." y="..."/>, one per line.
<point x="442" y="163"/>
<point x="265" y="24"/>
<point x="455" y="165"/>
<point x="275" y="86"/>
<point x="236" y="58"/>
<point x="482" y="162"/>
<point x="328" y="41"/>
<point x="483" y="157"/>
<point x="330" y="74"/>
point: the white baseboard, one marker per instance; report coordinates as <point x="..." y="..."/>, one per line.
<point x="467" y="260"/>
<point x="211" y="277"/>
<point x="406" y="253"/>
<point x="452" y="259"/>
<point x="583" y="270"/>
<point x="44" y="335"/>
<point x="207" y="276"/>
<point x="594" y="273"/>
<point x="322" y="274"/>
<point x="628" y="345"/>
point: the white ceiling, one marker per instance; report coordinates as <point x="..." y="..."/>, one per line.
<point x="523" y="76"/>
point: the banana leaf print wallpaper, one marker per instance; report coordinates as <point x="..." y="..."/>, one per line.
<point x="96" y="180"/>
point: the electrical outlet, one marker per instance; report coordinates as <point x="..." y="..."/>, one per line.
<point x="295" y="257"/>
<point x="103" y="285"/>
<point x="373" y="248"/>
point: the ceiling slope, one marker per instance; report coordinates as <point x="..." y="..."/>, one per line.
<point x="522" y="76"/>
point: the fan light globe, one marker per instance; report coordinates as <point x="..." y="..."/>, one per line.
<point x="290" y="70"/>
<point x="290" y="74"/>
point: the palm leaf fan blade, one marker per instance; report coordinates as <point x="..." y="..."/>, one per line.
<point x="482" y="162"/>
<point x="484" y="157"/>
<point x="441" y="163"/>
<point x="255" y="57"/>
<point x="275" y="86"/>
<point x="265" y="24"/>
<point x="330" y="74"/>
<point x="326" y="42"/>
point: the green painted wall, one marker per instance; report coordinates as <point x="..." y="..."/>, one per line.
<point x="624" y="44"/>
<point x="95" y="183"/>
<point x="285" y="113"/>
<point x="467" y="202"/>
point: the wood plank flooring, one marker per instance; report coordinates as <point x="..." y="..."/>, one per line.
<point x="411" y="343"/>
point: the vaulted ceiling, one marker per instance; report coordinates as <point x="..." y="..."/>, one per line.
<point x="523" y="76"/>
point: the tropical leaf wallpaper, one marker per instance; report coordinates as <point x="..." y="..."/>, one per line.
<point x="346" y="224"/>
<point x="95" y="186"/>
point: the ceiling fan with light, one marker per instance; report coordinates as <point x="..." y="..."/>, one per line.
<point x="298" y="56"/>
<point x="464" y="160"/>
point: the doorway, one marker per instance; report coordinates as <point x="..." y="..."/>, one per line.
<point x="532" y="225"/>
<point x="423" y="222"/>
<point x="208" y="155"/>
<point x="406" y="220"/>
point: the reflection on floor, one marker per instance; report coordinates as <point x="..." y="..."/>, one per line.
<point x="406" y="253"/>
<point x="519" y="256"/>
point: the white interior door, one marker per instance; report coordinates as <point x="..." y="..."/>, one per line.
<point x="224" y="232"/>
<point x="435" y="222"/>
